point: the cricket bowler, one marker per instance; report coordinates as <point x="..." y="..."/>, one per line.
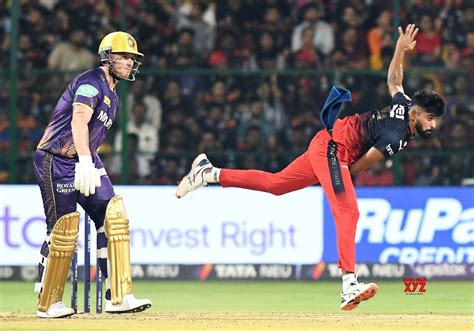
<point x="348" y="146"/>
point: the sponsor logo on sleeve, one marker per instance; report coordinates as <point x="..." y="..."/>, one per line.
<point x="87" y="90"/>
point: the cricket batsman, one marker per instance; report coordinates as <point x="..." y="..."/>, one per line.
<point x="348" y="146"/>
<point x="69" y="171"/>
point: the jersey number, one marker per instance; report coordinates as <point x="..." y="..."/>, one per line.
<point x="390" y="149"/>
<point x="402" y="145"/>
<point x="398" y="111"/>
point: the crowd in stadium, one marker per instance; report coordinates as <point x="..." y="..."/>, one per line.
<point x="246" y="118"/>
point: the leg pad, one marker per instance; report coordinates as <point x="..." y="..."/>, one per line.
<point x="62" y="245"/>
<point x="118" y="249"/>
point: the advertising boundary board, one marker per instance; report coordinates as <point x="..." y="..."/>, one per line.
<point x="404" y="225"/>
<point x="268" y="272"/>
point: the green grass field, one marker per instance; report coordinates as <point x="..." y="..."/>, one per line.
<point x="258" y="305"/>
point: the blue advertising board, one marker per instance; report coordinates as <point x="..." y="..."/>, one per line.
<point x="409" y="225"/>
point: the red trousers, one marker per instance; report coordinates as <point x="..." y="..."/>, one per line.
<point x="308" y="169"/>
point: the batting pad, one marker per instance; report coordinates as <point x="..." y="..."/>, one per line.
<point x="118" y="248"/>
<point x="62" y="245"/>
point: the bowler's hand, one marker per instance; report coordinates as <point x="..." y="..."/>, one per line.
<point x="87" y="176"/>
<point x="406" y="40"/>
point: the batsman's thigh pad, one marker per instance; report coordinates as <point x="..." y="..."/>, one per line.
<point x="118" y="249"/>
<point x="62" y="245"/>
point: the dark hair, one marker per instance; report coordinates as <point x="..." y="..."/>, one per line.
<point x="132" y="137"/>
<point x="202" y="6"/>
<point x="431" y="101"/>
<point x="186" y="30"/>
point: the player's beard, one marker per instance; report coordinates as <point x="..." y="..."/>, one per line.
<point x="425" y="134"/>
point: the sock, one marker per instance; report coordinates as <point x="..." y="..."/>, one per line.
<point x="212" y="175"/>
<point x="347" y="280"/>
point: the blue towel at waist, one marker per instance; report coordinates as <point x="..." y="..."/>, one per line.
<point x="337" y="97"/>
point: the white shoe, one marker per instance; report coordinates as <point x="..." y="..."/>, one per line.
<point x="129" y="304"/>
<point x="356" y="293"/>
<point x="194" y="179"/>
<point x="56" y="310"/>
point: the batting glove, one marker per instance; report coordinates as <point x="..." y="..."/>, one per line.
<point x="87" y="176"/>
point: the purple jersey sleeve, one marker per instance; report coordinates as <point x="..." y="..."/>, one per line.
<point x="90" y="89"/>
<point x="88" y="93"/>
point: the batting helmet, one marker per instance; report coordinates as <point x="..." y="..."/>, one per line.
<point x="119" y="42"/>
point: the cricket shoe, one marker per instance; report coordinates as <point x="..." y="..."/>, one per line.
<point x="56" y="310"/>
<point x="356" y="293"/>
<point x="194" y="179"/>
<point x="129" y="304"/>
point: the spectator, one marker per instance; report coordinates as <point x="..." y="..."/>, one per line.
<point x="276" y="24"/>
<point x="168" y="173"/>
<point x="27" y="54"/>
<point x="298" y="139"/>
<point x="197" y="108"/>
<point x="147" y="134"/>
<point x="376" y="96"/>
<point x="355" y="53"/>
<point x="208" y="142"/>
<point x="139" y="94"/>
<point x="267" y="54"/>
<point x="307" y="57"/>
<point x="323" y="38"/>
<point x="204" y="33"/>
<point x="175" y="141"/>
<point x="272" y="110"/>
<point x="173" y="97"/>
<point x="251" y="140"/>
<point x="222" y="96"/>
<point x="215" y="117"/>
<point x="462" y="100"/>
<point x="227" y="53"/>
<point x="378" y="38"/>
<point x="72" y="55"/>
<point x="452" y="17"/>
<point x="181" y="54"/>
<point x="234" y="15"/>
<point x="151" y="42"/>
<point x="468" y="51"/>
<point x="140" y="169"/>
<point x="428" y="44"/>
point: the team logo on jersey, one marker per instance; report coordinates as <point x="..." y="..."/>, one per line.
<point x="87" y="90"/>
<point x="107" y="100"/>
<point x="398" y="111"/>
